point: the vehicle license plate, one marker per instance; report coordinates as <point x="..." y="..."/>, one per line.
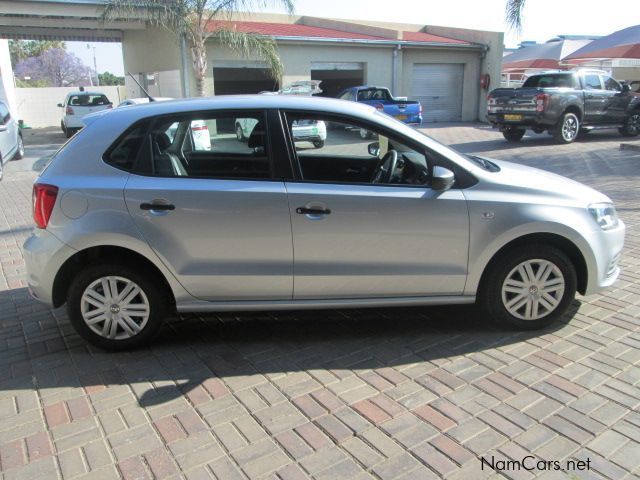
<point x="512" y="118"/>
<point x="401" y="117"/>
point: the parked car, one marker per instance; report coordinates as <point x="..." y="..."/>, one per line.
<point x="407" y="111"/>
<point x="134" y="223"/>
<point x="313" y="131"/>
<point x="141" y="100"/>
<point x="11" y="143"/>
<point x="565" y="103"/>
<point x="78" y="104"/>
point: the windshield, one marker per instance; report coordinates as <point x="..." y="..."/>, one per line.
<point x="88" y="100"/>
<point x="373" y="94"/>
<point x="550" y="81"/>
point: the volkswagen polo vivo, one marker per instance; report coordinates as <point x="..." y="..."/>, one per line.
<point x="134" y="221"/>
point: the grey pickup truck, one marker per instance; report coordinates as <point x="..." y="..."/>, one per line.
<point x="565" y="104"/>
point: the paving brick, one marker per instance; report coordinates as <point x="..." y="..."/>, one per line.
<point x="38" y="446"/>
<point x="313" y="436"/>
<point x="293" y="444"/>
<point x="362" y="452"/>
<point x="334" y="428"/>
<point x="56" y="414"/>
<point x="12" y="455"/>
<point x="371" y="412"/>
<point x="161" y="464"/>
<point x="133" y="469"/>
<point x="434" y="417"/>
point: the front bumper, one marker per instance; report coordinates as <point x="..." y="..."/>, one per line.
<point x="607" y="249"/>
<point x="44" y="255"/>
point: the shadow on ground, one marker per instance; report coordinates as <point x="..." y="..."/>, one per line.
<point x="43" y="350"/>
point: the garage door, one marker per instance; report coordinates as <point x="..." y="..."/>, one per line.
<point x="337" y="76"/>
<point x="438" y="87"/>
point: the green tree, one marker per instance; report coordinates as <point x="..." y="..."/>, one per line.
<point x="108" y="79"/>
<point x="22" y="49"/>
<point x="199" y="21"/>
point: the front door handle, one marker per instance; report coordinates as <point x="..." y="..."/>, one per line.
<point x="157" y="206"/>
<point x="313" y="211"/>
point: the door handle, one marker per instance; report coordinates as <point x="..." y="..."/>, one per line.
<point x="157" y="206"/>
<point x="313" y="211"/>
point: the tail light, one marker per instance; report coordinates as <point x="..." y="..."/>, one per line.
<point x="69" y="111"/>
<point x="542" y="100"/>
<point x="44" y="198"/>
<point x="379" y="107"/>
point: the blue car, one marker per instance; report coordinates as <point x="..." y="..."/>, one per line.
<point x="407" y="111"/>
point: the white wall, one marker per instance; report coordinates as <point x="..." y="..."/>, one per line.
<point x="38" y="107"/>
<point x="6" y="77"/>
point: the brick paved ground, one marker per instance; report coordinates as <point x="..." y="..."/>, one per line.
<point x="405" y="393"/>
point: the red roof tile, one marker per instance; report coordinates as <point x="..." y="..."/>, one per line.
<point x="273" y="29"/>
<point x="428" y="38"/>
<point x="291" y="30"/>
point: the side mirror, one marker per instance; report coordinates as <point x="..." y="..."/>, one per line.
<point x="374" y="149"/>
<point x="442" y="179"/>
<point x="626" y="88"/>
<point x="60" y="105"/>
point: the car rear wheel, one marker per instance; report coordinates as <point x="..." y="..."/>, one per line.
<point x="20" y="152"/>
<point x="567" y="128"/>
<point x="513" y="134"/>
<point x="632" y="127"/>
<point x="68" y="132"/>
<point x="318" y="143"/>
<point x="115" y="307"/>
<point x="529" y="287"/>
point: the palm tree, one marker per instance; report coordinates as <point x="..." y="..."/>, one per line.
<point x="200" y="20"/>
<point x="514" y="10"/>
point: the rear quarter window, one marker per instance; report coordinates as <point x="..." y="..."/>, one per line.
<point x="124" y="151"/>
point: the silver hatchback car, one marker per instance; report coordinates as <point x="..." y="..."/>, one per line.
<point x="135" y="221"/>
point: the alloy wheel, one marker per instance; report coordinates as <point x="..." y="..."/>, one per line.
<point x="633" y="124"/>
<point x="570" y="128"/>
<point x="20" y="146"/>
<point x="115" y="308"/>
<point x="533" y="289"/>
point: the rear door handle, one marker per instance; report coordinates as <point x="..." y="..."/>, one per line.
<point x="157" y="206"/>
<point x="313" y="211"/>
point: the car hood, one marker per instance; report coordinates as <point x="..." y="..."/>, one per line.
<point x="521" y="178"/>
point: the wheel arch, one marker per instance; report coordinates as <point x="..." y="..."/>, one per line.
<point x="104" y="254"/>
<point x="576" y="110"/>
<point x="545" y="238"/>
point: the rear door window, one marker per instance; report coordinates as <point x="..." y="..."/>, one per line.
<point x="550" y="81"/>
<point x="592" y="82"/>
<point x="205" y="145"/>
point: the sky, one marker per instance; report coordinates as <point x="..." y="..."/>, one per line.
<point x="542" y="19"/>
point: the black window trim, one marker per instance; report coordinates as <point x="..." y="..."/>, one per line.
<point x="142" y="164"/>
<point x="466" y="178"/>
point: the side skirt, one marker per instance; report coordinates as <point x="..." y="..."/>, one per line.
<point x="202" y="306"/>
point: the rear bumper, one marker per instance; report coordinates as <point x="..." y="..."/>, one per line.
<point x="44" y="255"/>
<point x="527" y="120"/>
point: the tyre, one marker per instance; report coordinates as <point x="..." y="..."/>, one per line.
<point x="513" y="134"/>
<point x="1" y="169"/>
<point x="239" y="133"/>
<point x="528" y="287"/>
<point x="566" y="130"/>
<point x="318" y="143"/>
<point x="63" y="128"/>
<point x="20" y="152"/>
<point x="68" y="132"/>
<point x="632" y="127"/>
<point x="116" y="307"/>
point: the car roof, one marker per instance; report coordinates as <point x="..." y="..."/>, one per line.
<point x="239" y="102"/>
<point x="85" y="93"/>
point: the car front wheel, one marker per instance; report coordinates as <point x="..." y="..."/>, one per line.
<point x="529" y="287"/>
<point x="632" y="127"/>
<point x="115" y="307"/>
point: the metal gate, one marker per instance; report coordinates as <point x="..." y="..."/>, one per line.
<point x="438" y="87"/>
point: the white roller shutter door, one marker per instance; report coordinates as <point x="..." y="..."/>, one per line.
<point x="438" y="87"/>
